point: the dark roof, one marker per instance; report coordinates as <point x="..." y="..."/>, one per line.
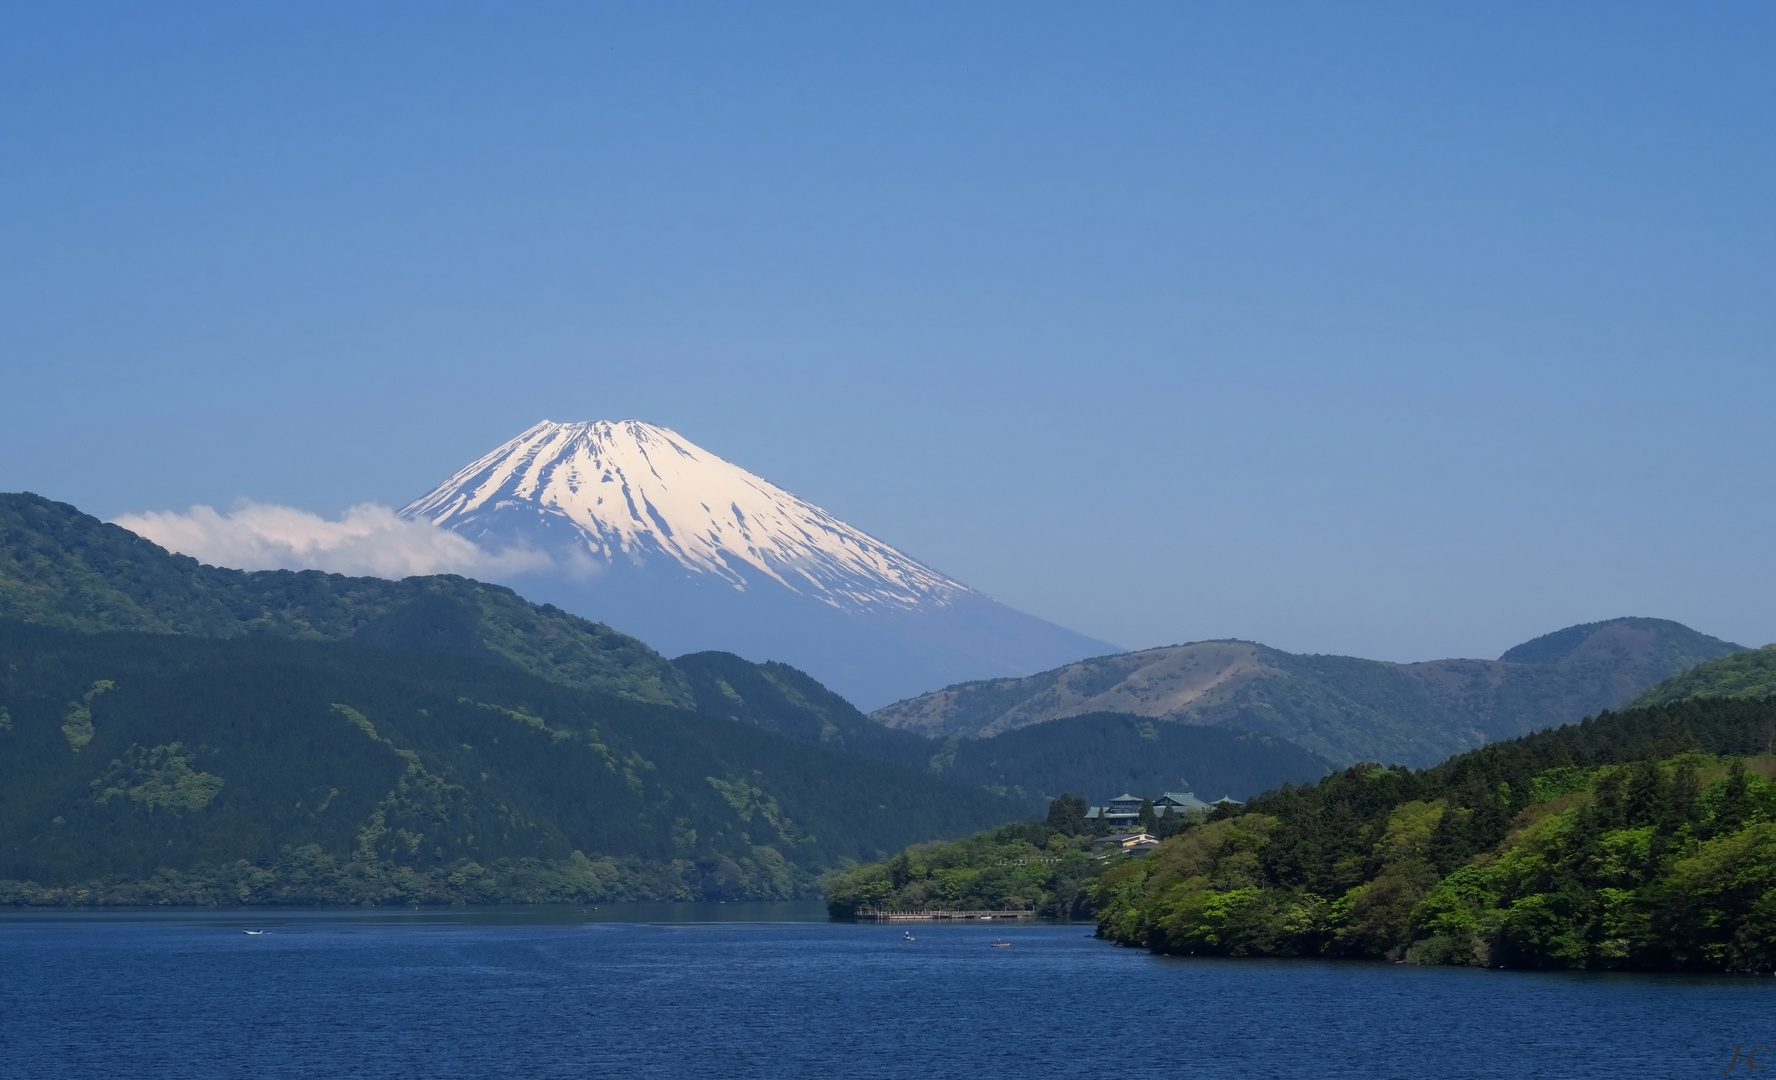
<point x="1182" y="799"/>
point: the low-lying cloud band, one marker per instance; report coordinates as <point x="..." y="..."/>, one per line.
<point x="368" y="540"/>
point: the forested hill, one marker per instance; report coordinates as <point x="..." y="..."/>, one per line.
<point x="145" y="768"/>
<point x="1342" y="708"/>
<point x="1748" y="674"/>
<point x="789" y="701"/>
<point x="1103" y="754"/>
<point x="60" y="567"/>
<point x="1640" y="839"/>
<point x="1106" y="754"/>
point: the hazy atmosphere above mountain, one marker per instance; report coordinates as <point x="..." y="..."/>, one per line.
<point x="1347" y="332"/>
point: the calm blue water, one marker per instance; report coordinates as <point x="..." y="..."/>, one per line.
<point x="558" y="993"/>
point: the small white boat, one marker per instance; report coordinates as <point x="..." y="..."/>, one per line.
<point x="252" y="933"/>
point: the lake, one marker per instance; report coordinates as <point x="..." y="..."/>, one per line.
<point x="772" y="990"/>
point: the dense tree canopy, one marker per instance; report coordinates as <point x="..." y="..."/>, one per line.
<point x="1642" y="839"/>
<point x="162" y="768"/>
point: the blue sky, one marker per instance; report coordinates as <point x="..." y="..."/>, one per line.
<point x="1401" y="331"/>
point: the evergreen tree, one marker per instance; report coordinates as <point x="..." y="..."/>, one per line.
<point x="1066" y="815"/>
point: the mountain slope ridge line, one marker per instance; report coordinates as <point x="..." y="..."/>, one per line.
<point x="1344" y="708"/>
<point x="652" y="533"/>
<point x="65" y="569"/>
<point x="561" y="467"/>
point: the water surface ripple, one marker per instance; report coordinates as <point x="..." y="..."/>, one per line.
<point x="502" y="994"/>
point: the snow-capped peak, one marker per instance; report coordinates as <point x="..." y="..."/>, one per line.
<point x="638" y="491"/>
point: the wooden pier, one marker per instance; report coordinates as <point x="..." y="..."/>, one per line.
<point x="933" y="916"/>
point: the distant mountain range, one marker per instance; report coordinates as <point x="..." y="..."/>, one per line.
<point x="653" y="534"/>
<point x="62" y="568"/>
<point x="158" y="718"/>
<point x="178" y="733"/>
<point x="1342" y="708"/>
<point x="1103" y="754"/>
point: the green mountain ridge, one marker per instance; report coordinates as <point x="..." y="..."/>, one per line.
<point x="1251" y="710"/>
<point x="1102" y="754"/>
<point x="793" y="703"/>
<point x="1342" y="708"/>
<point x="159" y="768"/>
<point x="1748" y="674"/>
<point x="179" y="733"/>
<point x="62" y="568"/>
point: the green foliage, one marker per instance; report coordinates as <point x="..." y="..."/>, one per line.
<point x="77" y="726"/>
<point x="1748" y="674"/>
<point x="310" y="875"/>
<point x="1641" y="839"/>
<point x="1046" y="866"/>
<point x="750" y="801"/>
<point x="261" y="769"/>
<point x="1108" y="753"/>
<point x="1015" y="867"/>
<point x="158" y="778"/>
<point x="781" y="698"/>
<point x="1066" y="815"/>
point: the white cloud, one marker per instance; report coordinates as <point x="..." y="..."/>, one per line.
<point x="368" y="540"/>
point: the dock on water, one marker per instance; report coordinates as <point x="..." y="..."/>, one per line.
<point x="932" y="915"/>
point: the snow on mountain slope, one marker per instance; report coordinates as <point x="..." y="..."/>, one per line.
<point x="639" y="491"/>
<point x="662" y="539"/>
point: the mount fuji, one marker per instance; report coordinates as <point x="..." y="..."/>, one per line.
<point x="653" y="535"/>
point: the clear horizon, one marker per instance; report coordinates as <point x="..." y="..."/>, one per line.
<point x="1400" y="334"/>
